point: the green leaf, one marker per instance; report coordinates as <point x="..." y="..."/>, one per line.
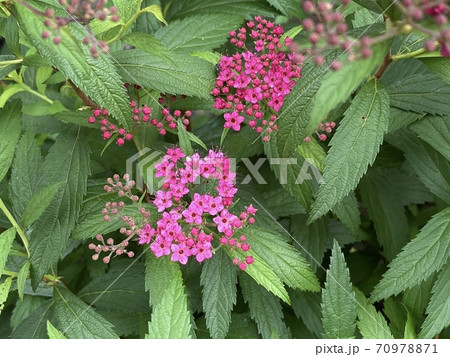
<point x="53" y="332"/>
<point x="6" y="240"/>
<point x="126" y="9"/>
<point x="371" y="323"/>
<point x="386" y="210"/>
<point x="296" y="110"/>
<point x="4" y="292"/>
<point x="198" y="32"/>
<point x="265" y="308"/>
<point x="9" y="134"/>
<point x="124" y="283"/>
<point x="283" y="258"/>
<point x="306" y="306"/>
<point x="337" y="86"/>
<point x="354" y="146"/>
<point x="439" y="65"/>
<point x="159" y="272"/>
<point x="338" y="299"/>
<point x="180" y="74"/>
<point x="218" y="280"/>
<point x="420" y="258"/>
<point x="432" y="168"/>
<point x="78" y="320"/>
<point x="10" y="90"/>
<point x="435" y="131"/>
<point x="35" y="325"/>
<point x="289" y="8"/>
<point x="39" y="203"/>
<point x="156" y="11"/>
<point x="402" y="118"/>
<point x="311" y="238"/>
<point x="348" y="213"/>
<point x="410" y="332"/>
<point x="421" y="93"/>
<point x="68" y="163"/>
<point x="12" y="35"/>
<point x="5" y="70"/>
<point x="211" y="57"/>
<point x="171" y="318"/>
<point x="22" y="279"/>
<point x="186" y="138"/>
<point x="148" y="43"/>
<point x="438" y="310"/>
<point x="187" y="8"/>
<point x="263" y="274"/>
<point x="96" y="77"/>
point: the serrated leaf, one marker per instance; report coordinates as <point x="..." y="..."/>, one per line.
<point x="421" y="93"/>
<point x="186" y="36"/>
<point x="12" y="35"/>
<point x="387" y="212"/>
<point x="432" y="168"/>
<point x="263" y="274"/>
<point x="438" y="310"/>
<point x="354" y="146"/>
<point x="148" y="43"/>
<point x="78" y="320"/>
<point x="68" y="163"/>
<point x="306" y="306"/>
<point x="402" y="118"/>
<point x="180" y="74"/>
<point x="289" y="8"/>
<point x="110" y="291"/>
<point x="218" y="280"/>
<point x="435" y="131"/>
<point x="54" y="333"/>
<point x="96" y="77"/>
<point x="9" y="134"/>
<point x="156" y="11"/>
<point x="211" y="57"/>
<point x="22" y="279"/>
<point x="171" y="318"/>
<point x="420" y="258"/>
<point x="371" y="323"/>
<point x="229" y="7"/>
<point x="158" y="274"/>
<point x="337" y="86"/>
<point x="6" y="240"/>
<point x="35" y="325"/>
<point x="338" y="299"/>
<point x="39" y="203"/>
<point x="283" y="258"/>
<point x="4" y="292"/>
<point x="5" y="70"/>
<point x="439" y="65"/>
<point x="265" y="308"/>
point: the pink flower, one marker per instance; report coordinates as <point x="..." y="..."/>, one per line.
<point x="180" y="253"/>
<point x="147" y="234"/>
<point x="160" y="247"/>
<point x="163" y="200"/>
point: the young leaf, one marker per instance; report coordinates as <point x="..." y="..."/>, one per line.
<point x="78" y="320"/>
<point x="283" y="258"/>
<point x="53" y="332"/>
<point x="96" y="77"/>
<point x="338" y="299"/>
<point x="180" y="74"/>
<point x="421" y="257"/>
<point x="435" y="130"/>
<point x="22" y="279"/>
<point x="438" y="65"/>
<point x="265" y="308"/>
<point x="6" y="240"/>
<point x="9" y="134"/>
<point x="263" y="274"/>
<point x="218" y="280"/>
<point x="187" y="36"/>
<point x="39" y="203"/>
<point x="438" y="310"/>
<point x="337" y="86"/>
<point x="4" y="291"/>
<point x="371" y="323"/>
<point x="68" y="163"/>
<point x="158" y="274"/>
<point x="354" y="146"/>
<point x="171" y="318"/>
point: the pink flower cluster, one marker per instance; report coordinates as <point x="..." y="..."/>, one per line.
<point x="141" y="116"/>
<point x="249" y="82"/>
<point x="322" y="130"/>
<point x="191" y="219"/>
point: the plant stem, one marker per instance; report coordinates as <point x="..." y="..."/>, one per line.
<point x="408" y="55"/>
<point x="7" y="63"/>
<point x="127" y="25"/>
<point x="15" y="225"/>
<point x="40" y="95"/>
